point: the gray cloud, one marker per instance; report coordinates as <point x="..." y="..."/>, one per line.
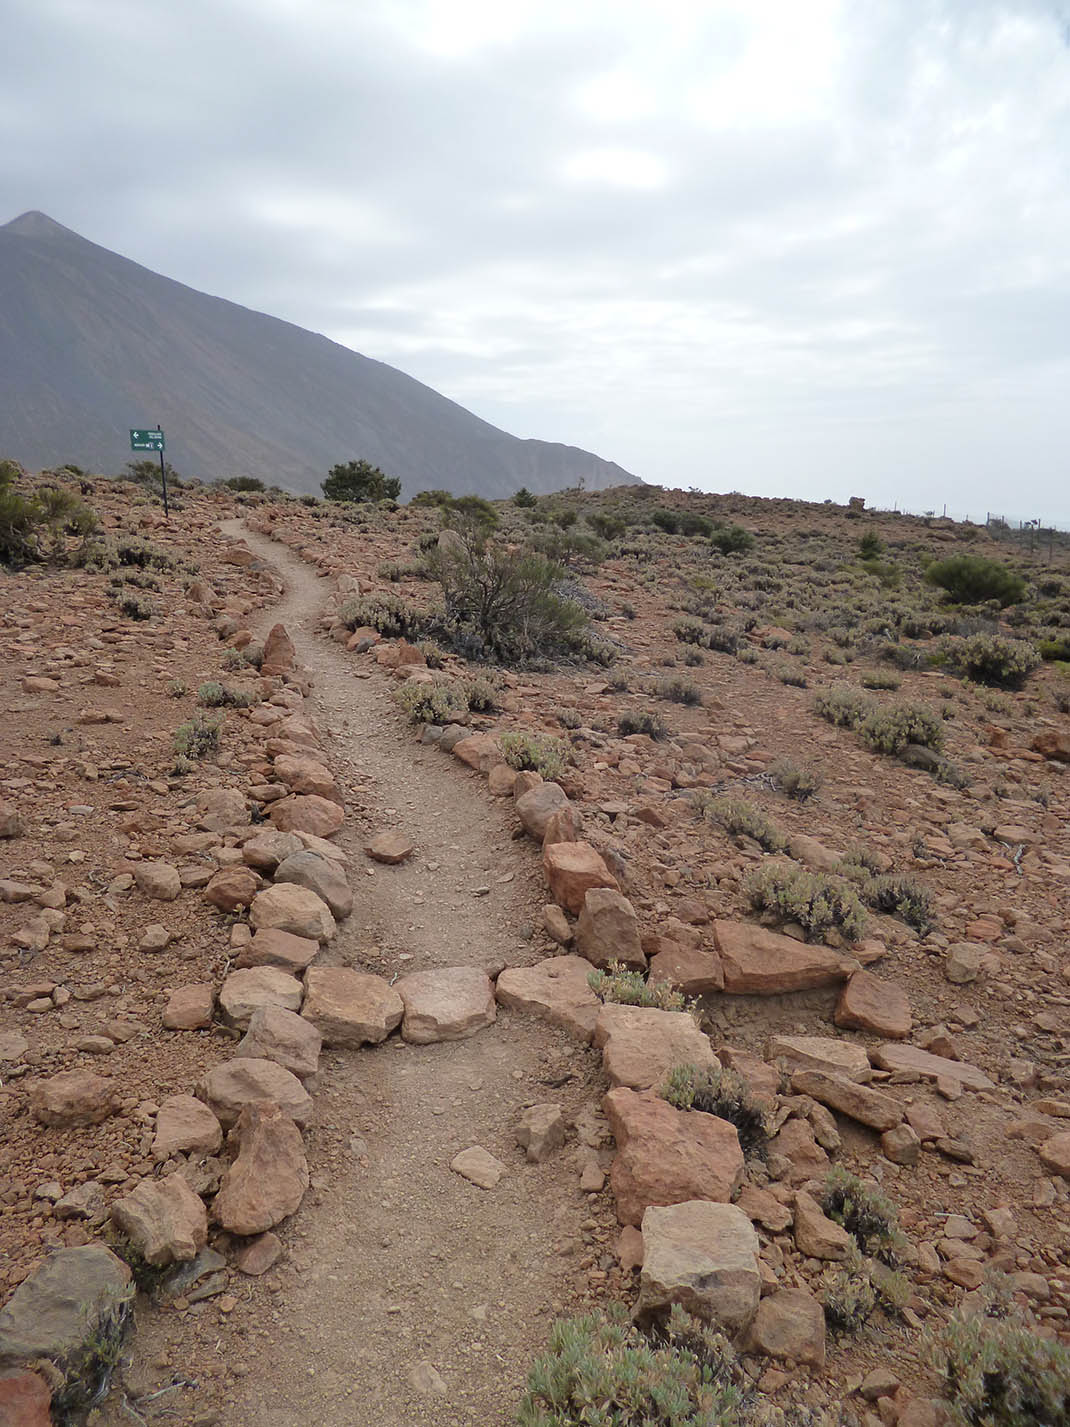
<point x="788" y="249"/>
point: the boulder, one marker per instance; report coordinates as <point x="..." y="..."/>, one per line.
<point x="351" y="1008"/>
<point x="447" y="1004"/>
<point x="1054" y="744"/>
<point x="572" y="869"/>
<point x="813" y="854"/>
<point x="220" y="809"/>
<point x="389" y="847"/>
<point x="541" y="1131"/>
<point x="930" y="1067"/>
<point x="25" y="1399"/>
<point x="704" y="1257"/>
<point x="277" y="1034"/>
<point x="185" y="1125"/>
<point x="73" y="1098"/>
<point x="868" y="1003"/>
<point x="556" y="990"/>
<point x="690" y="970"/>
<point x="73" y="1298"/>
<point x="272" y="947"/>
<point x="163" y="1219"/>
<point x="189" y="1008"/>
<point x="1055" y="1154"/>
<point x="608" y="930"/>
<point x="534" y="807"/>
<point x="279" y="654"/>
<point x="268" y="848"/>
<point x="317" y="874"/>
<point x="816" y="1235"/>
<point x="158" y="880"/>
<point x="268" y="1179"/>
<point x="758" y="962"/>
<point x="640" y="1045"/>
<point x="232" y="887"/>
<point x="307" y="812"/>
<point x="963" y="962"/>
<point x="299" y="773"/>
<point x="229" y="1087"/>
<point x="875" y="1108"/>
<point x="564" y="825"/>
<point x="837" y="1057"/>
<point x="789" y="1325"/>
<point x="246" y="991"/>
<point x="479" y="751"/>
<point x="668" y="1156"/>
<point x="11" y="821"/>
<point x="289" y="908"/>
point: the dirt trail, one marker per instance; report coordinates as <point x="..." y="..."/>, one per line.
<point x="395" y="1264"/>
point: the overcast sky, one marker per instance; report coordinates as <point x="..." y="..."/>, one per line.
<point x="787" y="247"/>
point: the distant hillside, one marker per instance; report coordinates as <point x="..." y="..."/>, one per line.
<point x="92" y="344"/>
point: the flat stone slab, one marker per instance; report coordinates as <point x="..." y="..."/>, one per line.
<point x="448" y="1004"/>
<point x="572" y="869"/>
<point x="229" y="1087"/>
<point x="640" y="1045"/>
<point x="271" y="946"/>
<point x="875" y="1108"/>
<point x="929" y="1067"/>
<point x="246" y="991"/>
<point x="185" y="1125"/>
<point x="838" y="1057"/>
<point x="693" y="971"/>
<point x="557" y="990"/>
<point x="290" y="908"/>
<point x="268" y="1179"/>
<point x="704" y="1257"/>
<point x="389" y="847"/>
<point x="758" y="962"/>
<point x="478" y="1166"/>
<point x="66" y="1302"/>
<point x="868" y="1003"/>
<point x="288" y="1039"/>
<point x="350" y="1008"/>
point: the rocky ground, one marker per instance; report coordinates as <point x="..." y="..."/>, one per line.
<point x="461" y="1141"/>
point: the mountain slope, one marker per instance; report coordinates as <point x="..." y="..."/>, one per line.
<point x="92" y="344"/>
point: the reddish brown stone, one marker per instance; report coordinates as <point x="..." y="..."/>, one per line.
<point x="867" y="1003"/>
<point x="572" y="869"/>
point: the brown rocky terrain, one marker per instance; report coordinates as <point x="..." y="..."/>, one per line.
<point x="310" y="1015"/>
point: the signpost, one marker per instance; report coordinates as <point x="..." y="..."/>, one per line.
<point x="148" y="440"/>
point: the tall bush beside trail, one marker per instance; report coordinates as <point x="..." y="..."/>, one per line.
<point x="972" y="579"/>
<point x="360" y="480"/>
<point x="500" y="602"/>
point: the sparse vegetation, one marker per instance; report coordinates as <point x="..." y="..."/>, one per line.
<point x="799" y="781"/>
<point x="679" y="691"/>
<point x="993" y="659"/>
<point x="441" y="701"/>
<point x="359" y="481"/>
<point x="722" y="1093"/>
<point x="198" y="737"/>
<point x="742" y="819"/>
<point x="213" y="695"/>
<point x="815" y="901"/>
<point x="868" y="1215"/>
<point x="630" y="988"/>
<point x="642" y="721"/>
<point x="536" y="753"/>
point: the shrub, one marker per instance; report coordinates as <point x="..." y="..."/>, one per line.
<point x="891" y="728"/>
<point x="742" y="819"/>
<point x="536" y="753"/>
<point x="870" y="547"/>
<point x="721" y="1093"/>
<point x="427" y="499"/>
<point x="732" y="540"/>
<point x="524" y="498"/>
<point x="690" y="631"/>
<point x="389" y="615"/>
<point x="849" y="1298"/>
<point x="360" y="480"/>
<point x="603" y="1371"/>
<point x="570" y="718"/>
<point x="433" y="655"/>
<point x="788" y="674"/>
<point x="693" y="658"/>
<point x="880" y="679"/>
<point x="140" y="553"/>
<point x="798" y="781"/>
<point x="606" y="525"/>
<point x="1054" y="649"/>
<point x="999" y="1372"/>
<point x="652" y="724"/>
<point x="482" y="695"/>
<point x="993" y="659"/>
<point x="867" y="1214"/>
<point x="666" y="520"/>
<point x="817" y="902"/>
<point x="135" y="606"/>
<point x="217" y="696"/>
<point x="971" y="579"/>
<point x="442" y="701"/>
<point x="628" y="988"/>
<point x="198" y="737"/>
<point x="503" y="604"/>
<point x="679" y="691"/>
<point x="900" y="895"/>
<point x="723" y="641"/>
<point x="244" y="483"/>
<point x="842" y="706"/>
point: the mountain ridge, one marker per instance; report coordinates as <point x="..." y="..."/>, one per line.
<point x="92" y="343"/>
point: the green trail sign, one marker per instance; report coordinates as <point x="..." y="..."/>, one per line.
<point x="146" y="440"/>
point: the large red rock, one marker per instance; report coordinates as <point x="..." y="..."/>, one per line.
<point x="320" y="875"/>
<point x="163" y="1219"/>
<point x="288" y="1039"/>
<point x="640" y="1045"/>
<point x="232" y="887"/>
<point x="875" y="1108"/>
<point x="301" y="774"/>
<point x="289" y="908"/>
<point x="535" y="807"/>
<point x="350" y="1008"/>
<point x="73" y="1098"/>
<point x="307" y="812"/>
<point x="572" y="869"/>
<point x="268" y="1179"/>
<point x="185" y="1125"/>
<point x="758" y="962"/>
<point x="24" y="1399"/>
<point x="704" y="1257"/>
<point x="930" y="1067"/>
<point x="449" y="1003"/>
<point x="246" y="991"/>
<point x="229" y="1087"/>
<point x="271" y="946"/>
<point x="693" y="971"/>
<point x="557" y="990"/>
<point x="479" y="751"/>
<point x="837" y="1057"/>
<point x="867" y="1003"/>
<point x="789" y="1325"/>
<point x="608" y="930"/>
<point x="1054" y="744"/>
<point x="667" y="1156"/>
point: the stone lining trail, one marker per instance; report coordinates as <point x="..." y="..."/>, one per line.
<point x="409" y="1294"/>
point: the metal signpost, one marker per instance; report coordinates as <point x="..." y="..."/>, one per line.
<point x="152" y="441"/>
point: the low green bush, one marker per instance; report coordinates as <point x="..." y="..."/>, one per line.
<point x="536" y="753"/>
<point x="213" y="695"/>
<point x="889" y="728"/>
<point x="898" y="894"/>
<point x="652" y="724"/>
<point x="732" y="540"/>
<point x="880" y="679"/>
<point x="796" y="780"/>
<point x="993" y="659"/>
<point x="441" y="701"/>
<point x="679" y="691"/>
<point x="721" y="1093"/>
<point x="631" y="988"/>
<point x="842" y="705"/>
<point x="198" y="737"/>
<point x="388" y="615"/>
<point x="742" y="819"/>
<point x="819" y="903"/>
<point x="869" y="1216"/>
<point x="972" y="579"/>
